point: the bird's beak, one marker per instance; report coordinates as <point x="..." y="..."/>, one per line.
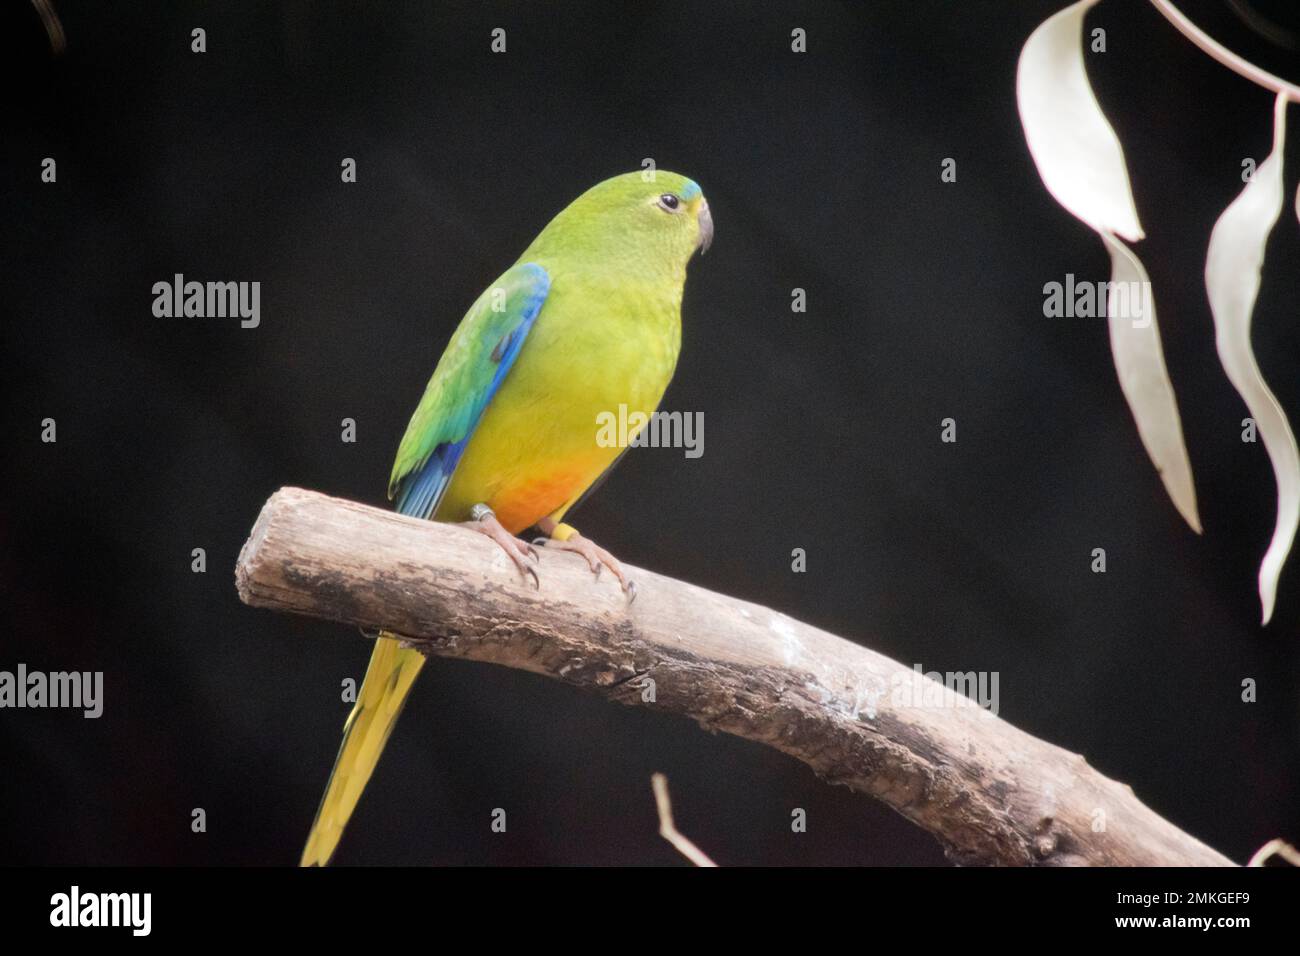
<point x="705" y="220"/>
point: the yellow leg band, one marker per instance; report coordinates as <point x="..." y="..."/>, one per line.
<point x="563" y="532"/>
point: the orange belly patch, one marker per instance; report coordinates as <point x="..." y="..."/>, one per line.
<point x="522" y="505"/>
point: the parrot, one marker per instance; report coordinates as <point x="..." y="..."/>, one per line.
<point x="504" y="438"/>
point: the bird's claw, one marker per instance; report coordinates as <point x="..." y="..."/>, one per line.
<point x="518" y="551"/>
<point x="597" y="558"/>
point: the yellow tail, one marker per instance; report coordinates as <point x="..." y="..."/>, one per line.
<point x="389" y="677"/>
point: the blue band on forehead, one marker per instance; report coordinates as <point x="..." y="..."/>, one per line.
<point x="690" y="190"/>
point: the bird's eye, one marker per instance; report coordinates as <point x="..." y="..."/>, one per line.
<point x="670" y="202"/>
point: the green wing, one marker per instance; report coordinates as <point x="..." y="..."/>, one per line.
<point x="470" y="372"/>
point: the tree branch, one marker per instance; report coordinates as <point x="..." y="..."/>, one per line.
<point x="990" y="793"/>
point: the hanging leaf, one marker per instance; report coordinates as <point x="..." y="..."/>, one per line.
<point x="1073" y="145"/>
<point x="1140" y="364"/>
<point x="1232" y="277"/>
<point x="1082" y="165"/>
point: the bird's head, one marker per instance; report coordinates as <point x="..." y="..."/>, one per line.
<point x="652" y="217"/>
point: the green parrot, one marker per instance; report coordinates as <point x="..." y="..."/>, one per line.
<point x="505" y="437"/>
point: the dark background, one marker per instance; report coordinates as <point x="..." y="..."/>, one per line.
<point x="822" y="429"/>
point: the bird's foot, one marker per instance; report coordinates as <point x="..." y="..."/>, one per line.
<point x="484" y="521"/>
<point x="597" y="557"/>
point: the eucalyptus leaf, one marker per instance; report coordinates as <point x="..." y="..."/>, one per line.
<point x="1232" y="278"/>
<point x="1081" y="162"/>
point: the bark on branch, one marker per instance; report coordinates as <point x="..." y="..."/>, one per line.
<point x="990" y="793"/>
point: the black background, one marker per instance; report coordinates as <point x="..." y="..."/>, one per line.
<point x="822" y="429"/>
